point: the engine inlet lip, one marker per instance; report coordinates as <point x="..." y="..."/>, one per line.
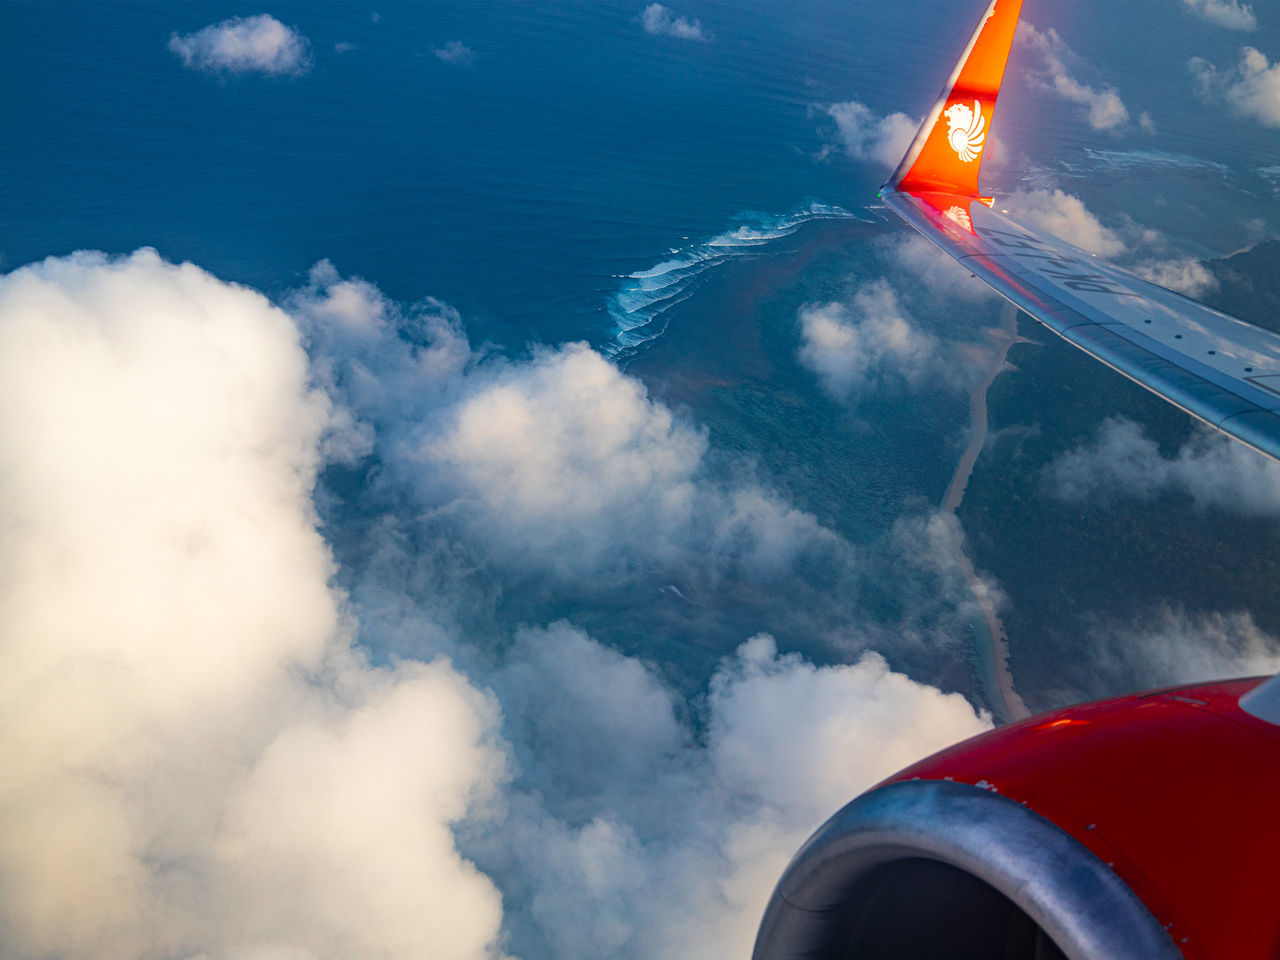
<point x="1073" y="896"/>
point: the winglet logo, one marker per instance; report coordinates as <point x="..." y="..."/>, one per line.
<point x="966" y="130"/>
<point x="960" y="217"/>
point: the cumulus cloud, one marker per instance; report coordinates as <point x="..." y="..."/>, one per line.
<point x="388" y="367"/>
<point x="835" y="707"/>
<point x="561" y="463"/>
<point x="669" y="848"/>
<point x="938" y="272"/>
<point x="870" y="717"/>
<point x="1065" y="216"/>
<point x="660" y="21"/>
<point x="1103" y="109"/>
<point x="565" y="463"/>
<point x="848" y="345"/>
<point x="1168" y="646"/>
<point x="1251" y="88"/>
<point x="1185" y="275"/>
<point x="865" y="135"/>
<point x="566" y="448"/>
<point x="1122" y="461"/>
<point x="457" y="53"/>
<point x="259" y="44"/>
<point x="1231" y="14"/>
<point x="203" y="761"/>
<point x="190" y="734"/>
<point x="556" y="483"/>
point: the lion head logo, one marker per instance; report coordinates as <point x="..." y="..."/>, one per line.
<point x="960" y="217"/>
<point x="967" y="130"/>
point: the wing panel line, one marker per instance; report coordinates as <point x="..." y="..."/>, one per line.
<point x="1006" y="261"/>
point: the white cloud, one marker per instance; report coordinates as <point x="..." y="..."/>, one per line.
<point x="1185" y="275"/>
<point x="777" y="725"/>
<point x="560" y="463"/>
<point x="259" y="44"/>
<point x="1104" y="110"/>
<point x="777" y="721"/>
<point x="457" y="53"/>
<point x="939" y="273"/>
<point x="1251" y="88"/>
<point x="670" y="849"/>
<point x="566" y="450"/>
<point x="1231" y="14"/>
<point x="1065" y="216"/>
<point x="565" y="464"/>
<point x="935" y="543"/>
<point x="1122" y="461"/>
<point x="621" y="754"/>
<point x="200" y="761"/>
<point x="865" y="135"/>
<point x="1168" y="646"/>
<point x="352" y="335"/>
<point x="189" y="736"/>
<point x="357" y="809"/>
<point x="848" y="345"/>
<point x="660" y="21"/>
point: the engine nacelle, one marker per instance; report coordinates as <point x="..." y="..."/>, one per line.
<point x="1144" y="827"/>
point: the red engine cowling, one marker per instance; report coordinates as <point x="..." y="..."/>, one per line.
<point x="1143" y="827"/>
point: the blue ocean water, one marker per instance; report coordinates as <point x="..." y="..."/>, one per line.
<point x="673" y="203"/>
<point x="677" y="205"/>
<point x="575" y="148"/>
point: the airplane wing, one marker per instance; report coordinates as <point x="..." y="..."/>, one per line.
<point x="1214" y="366"/>
<point x="1062" y="836"/>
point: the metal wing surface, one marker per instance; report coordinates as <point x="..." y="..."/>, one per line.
<point x="1214" y="366"/>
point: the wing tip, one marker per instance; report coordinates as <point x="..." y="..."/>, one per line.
<point x="947" y="157"/>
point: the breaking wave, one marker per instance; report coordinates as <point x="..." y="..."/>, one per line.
<point x="639" y="309"/>
<point x="1125" y="161"/>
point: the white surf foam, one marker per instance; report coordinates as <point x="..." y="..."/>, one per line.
<point x="1123" y="161"/>
<point x="640" y="306"/>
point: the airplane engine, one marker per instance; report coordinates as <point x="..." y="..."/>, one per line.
<point x="1143" y="827"/>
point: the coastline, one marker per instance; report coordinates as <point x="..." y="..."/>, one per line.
<point x="1002" y="338"/>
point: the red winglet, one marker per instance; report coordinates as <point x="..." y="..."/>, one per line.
<point x="947" y="152"/>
